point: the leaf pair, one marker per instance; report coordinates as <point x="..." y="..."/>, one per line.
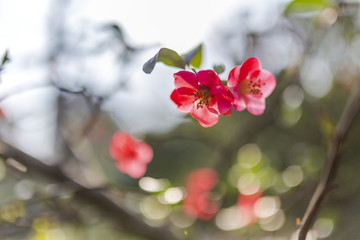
<point x="173" y="59"/>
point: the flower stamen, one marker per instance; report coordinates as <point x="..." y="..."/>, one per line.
<point x="252" y="87"/>
<point x="202" y="97"/>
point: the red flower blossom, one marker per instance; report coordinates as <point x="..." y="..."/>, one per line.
<point x="202" y="95"/>
<point x="131" y="155"/>
<point x="251" y="85"/>
<point x="246" y="204"/>
<point x="197" y="202"/>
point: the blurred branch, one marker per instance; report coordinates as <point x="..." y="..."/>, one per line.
<point x="326" y="182"/>
<point x="95" y="111"/>
<point x="99" y="198"/>
<point x="10" y="229"/>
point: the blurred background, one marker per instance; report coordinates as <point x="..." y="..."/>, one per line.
<point x="75" y="77"/>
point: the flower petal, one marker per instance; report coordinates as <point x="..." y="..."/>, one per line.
<point x="242" y="72"/>
<point x="121" y="146"/>
<point x="228" y="113"/>
<point x="239" y="101"/>
<point x="144" y="152"/>
<point x="255" y="105"/>
<point x="185" y="91"/>
<point x="202" y="179"/>
<point x="225" y="101"/>
<point x="221" y="105"/>
<point x="185" y="79"/>
<point x="184" y="102"/>
<point x="205" y="116"/>
<point x="234" y="79"/>
<point x="208" y="78"/>
<point x="248" y="67"/>
<point x="222" y="99"/>
<point x="132" y="168"/>
<point x="268" y="82"/>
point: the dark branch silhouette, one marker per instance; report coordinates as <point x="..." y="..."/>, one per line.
<point x="326" y="182"/>
<point x="98" y="197"/>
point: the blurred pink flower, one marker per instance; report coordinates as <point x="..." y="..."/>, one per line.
<point x="202" y="179"/>
<point x="197" y="202"/>
<point x="246" y="205"/>
<point x="202" y="95"/>
<point x="251" y="85"/>
<point x="131" y="155"/>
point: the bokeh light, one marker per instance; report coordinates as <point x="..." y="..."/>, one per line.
<point x="249" y="183"/>
<point x="24" y="189"/>
<point x="316" y="77"/>
<point x="273" y="222"/>
<point x="324" y="227"/>
<point x="293" y="176"/>
<point x="55" y="234"/>
<point x="153" y="185"/>
<point x="267" y="206"/>
<point x="179" y="219"/>
<point x="229" y="219"/>
<point x="293" y="96"/>
<point x="171" y="195"/>
<point x="152" y="209"/>
<point x="249" y="156"/>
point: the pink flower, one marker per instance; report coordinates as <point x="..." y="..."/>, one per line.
<point x="246" y="205"/>
<point x="199" y="205"/>
<point x="131" y="155"/>
<point x="202" y="95"/>
<point x="251" y="85"/>
<point x="197" y="202"/>
<point x="202" y="179"/>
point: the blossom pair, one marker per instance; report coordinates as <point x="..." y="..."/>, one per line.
<point x="204" y="96"/>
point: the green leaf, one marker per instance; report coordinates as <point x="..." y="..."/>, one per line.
<point x="5" y="58"/>
<point x="298" y="6"/>
<point x="167" y="56"/>
<point x="219" y="68"/>
<point x="193" y="57"/>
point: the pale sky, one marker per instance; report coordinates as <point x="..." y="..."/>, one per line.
<point x="24" y="27"/>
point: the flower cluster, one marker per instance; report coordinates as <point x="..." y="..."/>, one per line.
<point x="131" y="155"/>
<point x="205" y="97"/>
<point x="197" y="202"/>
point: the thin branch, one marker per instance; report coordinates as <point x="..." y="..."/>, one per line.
<point x="128" y="221"/>
<point x="326" y="181"/>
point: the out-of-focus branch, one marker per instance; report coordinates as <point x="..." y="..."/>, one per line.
<point x="128" y="221"/>
<point x="325" y="184"/>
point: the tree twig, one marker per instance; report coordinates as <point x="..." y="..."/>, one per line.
<point x="325" y="184"/>
<point x="128" y="221"/>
